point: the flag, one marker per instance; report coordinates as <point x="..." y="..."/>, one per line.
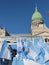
<point x="5" y="52"/>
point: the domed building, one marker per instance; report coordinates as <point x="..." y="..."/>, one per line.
<point x="38" y="29"/>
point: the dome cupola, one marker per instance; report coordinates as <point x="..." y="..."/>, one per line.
<point x="36" y="14"/>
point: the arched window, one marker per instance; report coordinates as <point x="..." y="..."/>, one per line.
<point x="46" y="39"/>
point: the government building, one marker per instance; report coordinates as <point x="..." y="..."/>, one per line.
<point x="38" y="29"/>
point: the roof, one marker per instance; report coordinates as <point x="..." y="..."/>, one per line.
<point x="36" y="14"/>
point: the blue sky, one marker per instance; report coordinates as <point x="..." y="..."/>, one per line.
<point x="15" y="15"/>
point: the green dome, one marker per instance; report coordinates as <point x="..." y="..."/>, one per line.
<point x="36" y="15"/>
